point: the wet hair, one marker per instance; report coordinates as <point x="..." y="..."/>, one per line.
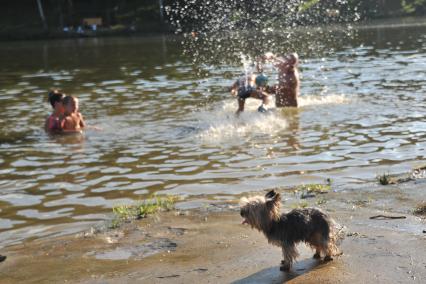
<point x="68" y="99"/>
<point x="55" y="96"/>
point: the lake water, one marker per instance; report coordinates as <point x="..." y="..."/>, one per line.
<point x="166" y="130"/>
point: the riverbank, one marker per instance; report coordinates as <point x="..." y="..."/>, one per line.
<point x="203" y="241"/>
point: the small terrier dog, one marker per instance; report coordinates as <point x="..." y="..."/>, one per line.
<point x="308" y="225"/>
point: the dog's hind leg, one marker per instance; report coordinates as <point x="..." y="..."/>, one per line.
<point x="317" y="254"/>
<point x="316" y="242"/>
<point x="329" y="249"/>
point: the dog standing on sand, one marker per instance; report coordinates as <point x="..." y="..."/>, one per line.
<point x="308" y="225"/>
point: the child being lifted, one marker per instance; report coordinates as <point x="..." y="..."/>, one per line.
<point x="251" y="86"/>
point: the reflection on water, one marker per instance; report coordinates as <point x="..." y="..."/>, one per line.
<point x="165" y="130"/>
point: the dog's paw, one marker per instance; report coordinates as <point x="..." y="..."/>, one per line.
<point x="328" y="258"/>
<point x="317" y="256"/>
<point x="284" y="266"/>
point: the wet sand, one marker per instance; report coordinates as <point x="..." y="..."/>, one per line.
<point x="208" y="244"/>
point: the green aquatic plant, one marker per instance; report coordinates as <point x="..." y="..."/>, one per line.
<point x="310" y="190"/>
<point x="315" y="187"/>
<point x="125" y="213"/>
<point x="386" y="178"/>
<point x="303" y="204"/>
<point x="383" y="179"/>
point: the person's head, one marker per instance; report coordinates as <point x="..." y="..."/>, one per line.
<point x="261" y="80"/>
<point x="292" y="59"/>
<point x="70" y="104"/>
<point x="55" y="98"/>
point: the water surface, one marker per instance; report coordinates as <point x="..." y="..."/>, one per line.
<point x="166" y="130"/>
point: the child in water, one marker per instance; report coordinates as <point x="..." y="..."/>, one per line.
<point x="254" y="86"/>
<point x="72" y="121"/>
<point x="52" y="123"/>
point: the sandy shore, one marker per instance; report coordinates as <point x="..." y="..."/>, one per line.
<point x="208" y="244"/>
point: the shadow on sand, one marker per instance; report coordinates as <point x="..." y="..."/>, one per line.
<point x="274" y="275"/>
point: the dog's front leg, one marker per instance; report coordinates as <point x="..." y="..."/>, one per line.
<point x="289" y="252"/>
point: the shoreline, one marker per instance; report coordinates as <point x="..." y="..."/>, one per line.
<point x="209" y="244"/>
<point x="31" y="34"/>
<point x="59" y="35"/>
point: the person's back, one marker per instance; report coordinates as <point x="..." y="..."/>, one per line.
<point x="288" y="88"/>
<point x="52" y="124"/>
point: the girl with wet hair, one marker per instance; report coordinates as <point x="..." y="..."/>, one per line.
<point x="53" y="124"/>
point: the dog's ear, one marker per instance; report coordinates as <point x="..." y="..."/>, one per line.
<point x="272" y="198"/>
<point x="270" y="194"/>
<point x="243" y="201"/>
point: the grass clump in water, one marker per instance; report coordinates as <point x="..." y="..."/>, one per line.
<point x="126" y="213"/>
<point x="310" y="190"/>
<point x="420" y="209"/>
<point x="385" y="179"/>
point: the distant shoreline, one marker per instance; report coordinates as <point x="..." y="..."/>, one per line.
<point x="21" y="34"/>
<point x="14" y="35"/>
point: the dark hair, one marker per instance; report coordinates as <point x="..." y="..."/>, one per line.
<point x="68" y="99"/>
<point x="55" y="96"/>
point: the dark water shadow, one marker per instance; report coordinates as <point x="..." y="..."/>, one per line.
<point x="184" y="131"/>
<point x="67" y="138"/>
<point x="274" y="275"/>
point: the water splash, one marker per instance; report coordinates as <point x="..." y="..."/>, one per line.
<point x="316" y="100"/>
<point x="247" y="63"/>
<point x="218" y="31"/>
<point x="221" y="124"/>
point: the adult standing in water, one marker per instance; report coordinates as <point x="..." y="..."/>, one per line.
<point x="288" y="88"/>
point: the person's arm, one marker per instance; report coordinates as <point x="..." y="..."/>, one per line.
<point x="46" y="124"/>
<point x="82" y="123"/>
<point x="271" y="89"/>
<point x="234" y="88"/>
<point x="277" y="61"/>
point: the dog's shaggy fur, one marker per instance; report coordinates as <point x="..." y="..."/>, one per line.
<point x="308" y="225"/>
